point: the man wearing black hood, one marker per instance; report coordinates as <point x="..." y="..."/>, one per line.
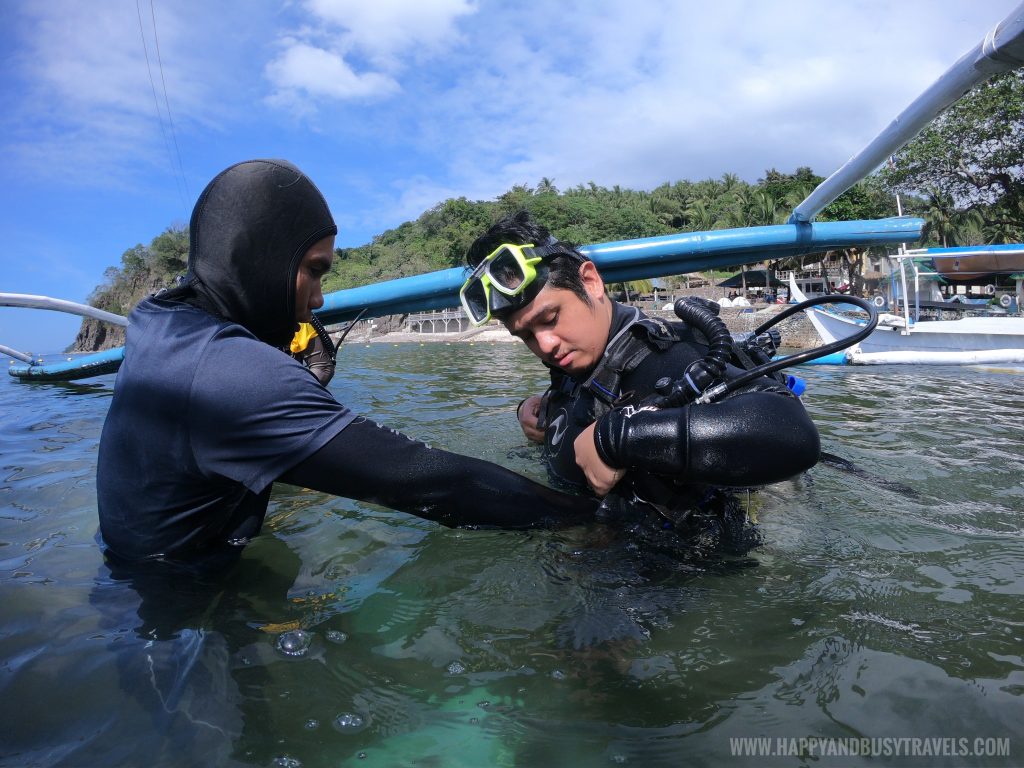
<point x="208" y="411"/>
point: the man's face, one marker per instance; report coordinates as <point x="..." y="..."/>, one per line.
<point x="561" y="329"/>
<point x="314" y="265"/>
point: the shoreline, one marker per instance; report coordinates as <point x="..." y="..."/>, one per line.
<point x="488" y="335"/>
<point x="797" y="331"/>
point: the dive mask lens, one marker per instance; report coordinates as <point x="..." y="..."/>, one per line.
<point x="507" y="271"/>
<point x="474" y="300"/>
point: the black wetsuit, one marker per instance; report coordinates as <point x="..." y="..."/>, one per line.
<point x="760" y="434"/>
<point x="208" y="411"/>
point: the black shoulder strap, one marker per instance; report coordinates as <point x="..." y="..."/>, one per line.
<point x="625" y="351"/>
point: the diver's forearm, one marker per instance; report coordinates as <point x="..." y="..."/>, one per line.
<point x="751" y="439"/>
<point x="375" y="464"/>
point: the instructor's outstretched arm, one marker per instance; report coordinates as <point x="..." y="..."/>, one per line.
<point x="369" y="462"/>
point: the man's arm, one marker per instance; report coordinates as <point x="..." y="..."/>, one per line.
<point x="752" y="438"/>
<point x="372" y="463"/>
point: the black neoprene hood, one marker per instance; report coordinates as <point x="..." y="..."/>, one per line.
<point x="249" y="231"/>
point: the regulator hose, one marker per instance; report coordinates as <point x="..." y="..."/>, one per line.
<point x="700" y="374"/>
<point x="702" y="314"/>
<point x="724" y="388"/>
<point x="325" y="337"/>
<point x="702" y="381"/>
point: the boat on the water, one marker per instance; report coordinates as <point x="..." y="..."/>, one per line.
<point x="916" y="332"/>
<point x="972" y="263"/>
<point x="618" y="261"/>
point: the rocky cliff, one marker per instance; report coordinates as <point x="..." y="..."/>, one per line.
<point x="96" y="335"/>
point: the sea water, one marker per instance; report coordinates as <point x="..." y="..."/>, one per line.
<point x="877" y="624"/>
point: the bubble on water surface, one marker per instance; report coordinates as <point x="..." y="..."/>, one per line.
<point x="312" y="724"/>
<point x="294" y="643"/>
<point x="286" y="761"/>
<point x="335" y="636"/>
<point x="347" y="722"/>
<point x="456" y="668"/>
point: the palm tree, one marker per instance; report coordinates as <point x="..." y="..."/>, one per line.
<point x="970" y="228"/>
<point x="1001" y="231"/>
<point x="700" y="217"/>
<point x="939" y="213"/>
<point x="729" y="181"/>
<point x="546" y="186"/>
<point x="668" y="209"/>
<point x="737" y="215"/>
<point x="764" y="208"/>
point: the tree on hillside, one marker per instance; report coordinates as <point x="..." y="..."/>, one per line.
<point x="440" y="236"/>
<point x="973" y="156"/>
<point x="790" y="188"/>
<point x="170" y="251"/>
<point x="546" y="186"/>
<point x="143" y="270"/>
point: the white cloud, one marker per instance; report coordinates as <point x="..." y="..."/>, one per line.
<point x="342" y="36"/>
<point x="89" y="109"/>
<point x="322" y="74"/>
<point x="637" y="94"/>
<point x="388" y="30"/>
<point x="452" y="97"/>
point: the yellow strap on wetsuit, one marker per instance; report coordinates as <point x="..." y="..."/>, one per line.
<point x="302" y="338"/>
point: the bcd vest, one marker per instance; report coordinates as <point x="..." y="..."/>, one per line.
<point x="570" y="405"/>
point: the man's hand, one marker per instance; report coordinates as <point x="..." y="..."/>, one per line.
<point x="529" y="415"/>
<point x="600" y="477"/>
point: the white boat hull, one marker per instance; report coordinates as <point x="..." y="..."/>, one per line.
<point x="987" y="357"/>
<point x="969" y="334"/>
<point x="969" y="340"/>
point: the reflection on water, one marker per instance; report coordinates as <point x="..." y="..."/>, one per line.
<point x="348" y="631"/>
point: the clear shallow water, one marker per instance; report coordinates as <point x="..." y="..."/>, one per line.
<point x="866" y="613"/>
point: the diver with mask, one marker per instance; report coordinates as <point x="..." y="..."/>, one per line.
<point x="209" y="410"/>
<point x="604" y="421"/>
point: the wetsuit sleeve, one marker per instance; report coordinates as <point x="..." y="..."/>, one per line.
<point x="372" y="463"/>
<point x="752" y="438"/>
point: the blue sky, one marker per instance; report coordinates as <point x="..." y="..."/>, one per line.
<point x="391" y="106"/>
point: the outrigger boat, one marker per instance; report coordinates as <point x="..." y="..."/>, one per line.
<point x="910" y="335"/>
<point x="617" y="261"/>
<point x="1002" y="50"/>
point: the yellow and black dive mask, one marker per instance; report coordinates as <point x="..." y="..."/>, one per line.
<point x="503" y="280"/>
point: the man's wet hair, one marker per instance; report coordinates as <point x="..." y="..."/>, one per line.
<point x="520" y="229"/>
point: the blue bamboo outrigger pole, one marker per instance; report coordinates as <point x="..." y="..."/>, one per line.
<point x="633" y="259"/>
<point x="617" y="261"/>
<point x="1002" y="50"/>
